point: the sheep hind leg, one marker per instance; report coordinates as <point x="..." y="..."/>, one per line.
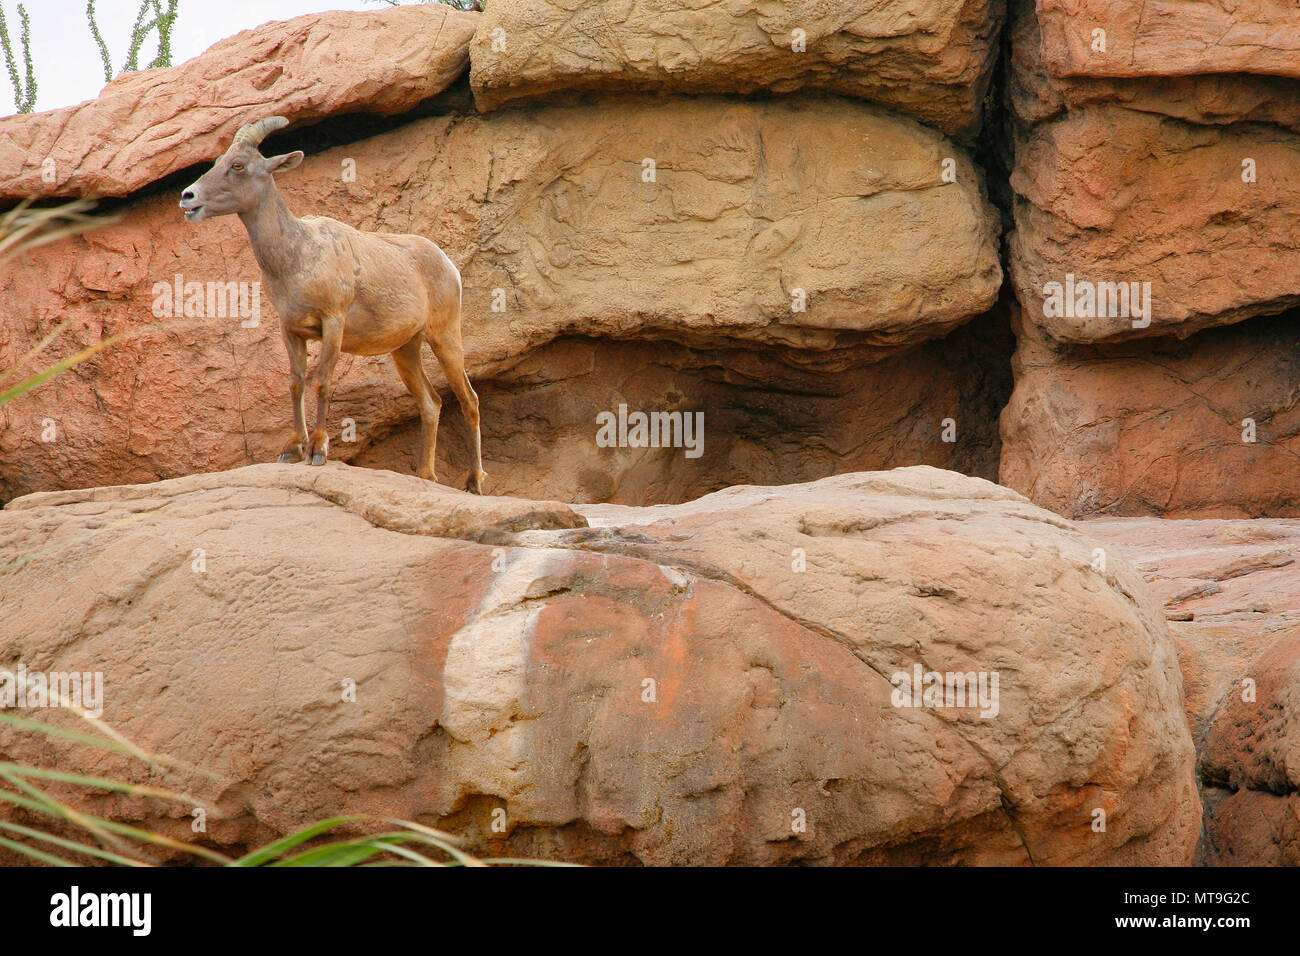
<point x="451" y="356"/>
<point x="410" y="367"/>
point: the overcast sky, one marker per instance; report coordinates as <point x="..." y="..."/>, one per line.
<point x="66" y="60"/>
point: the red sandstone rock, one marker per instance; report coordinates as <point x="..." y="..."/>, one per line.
<point x="1108" y="195"/>
<point x="499" y="664"/>
<point x="1170" y="37"/>
<point x="1231" y="591"/>
<point x="550" y="208"/>
<point x="1158" y="427"/>
<point x="1251" y="828"/>
<point x="146" y="125"/>
<point x="1036" y="93"/>
<point x="1182" y="179"/>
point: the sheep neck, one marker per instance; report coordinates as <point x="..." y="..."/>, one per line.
<point x="275" y="235"/>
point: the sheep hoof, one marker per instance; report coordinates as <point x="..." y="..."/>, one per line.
<point x="289" y="459"/>
<point x="318" y="459"/>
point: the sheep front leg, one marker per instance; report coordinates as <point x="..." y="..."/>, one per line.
<point x="322" y="379"/>
<point x="296" y="449"/>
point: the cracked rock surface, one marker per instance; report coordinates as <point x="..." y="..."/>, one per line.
<point x="1231" y="592"/>
<point x="1208" y="427"/>
<point x="1162" y="156"/>
<point x="926" y="58"/>
<point x="1166" y="159"/>
<point x="671" y="684"/>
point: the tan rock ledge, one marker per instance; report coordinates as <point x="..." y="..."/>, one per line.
<point x="672" y="685"/>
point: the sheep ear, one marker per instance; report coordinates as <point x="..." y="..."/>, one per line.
<point x="285" y="162"/>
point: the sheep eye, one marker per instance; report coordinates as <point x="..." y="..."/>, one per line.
<point x="237" y="167"/>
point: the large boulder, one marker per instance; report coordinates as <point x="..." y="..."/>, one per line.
<point x="928" y="58"/>
<point x="715" y="682"/>
<point x="559" y="237"/>
<point x="1231" y="592"/>
<point x="149" y="124"/>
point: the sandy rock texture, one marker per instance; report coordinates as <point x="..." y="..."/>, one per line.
<point x="1038" y="87"/>
<point x="1183" y="179"/>
<point x="927" y="58"/>
<point x="550" y="219"/>
<point x="501" y="651"/>
<point x="1114" y="195"/>
<point x="146" y="125"/>
<point x="1231" y="592"/>
<point x="1164" y="162"/>
<point x="764" y="419"/>
<point x="1170" y="37"/>
<point x="1158" y="427"/>
<point x="1162" y="150"/>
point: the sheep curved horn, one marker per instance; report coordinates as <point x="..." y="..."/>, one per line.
<point x="252" y="134"/>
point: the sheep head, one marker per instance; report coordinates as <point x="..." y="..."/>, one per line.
<point x="241" y="178"/>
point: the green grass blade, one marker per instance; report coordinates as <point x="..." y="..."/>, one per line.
<point x="34" y="853"/>
<point x="358" y="849"/>
<point x="443" y="841"/>
<point x="349" y="853"/>
<point x="44" y="803"/>
<point x="38" y="348"/>
<point x="118" y="743"/>
<point x="334" y="857"/>
<point x="515" y="861"/>
<point x="419" y="859"/>
<point x="51" y="731"/>
<point x="71" y="845"/>
<point x="273" y="850"/>
<point x="102" y="783"/>
<point x="107" y="830"/>
<point x="27" y="384"/>
<point x="401" y="847"/>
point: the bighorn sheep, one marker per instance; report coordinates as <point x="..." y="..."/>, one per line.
<point x="365" y="293"/>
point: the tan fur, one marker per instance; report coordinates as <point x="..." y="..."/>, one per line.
<point x="364" y="293"/>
